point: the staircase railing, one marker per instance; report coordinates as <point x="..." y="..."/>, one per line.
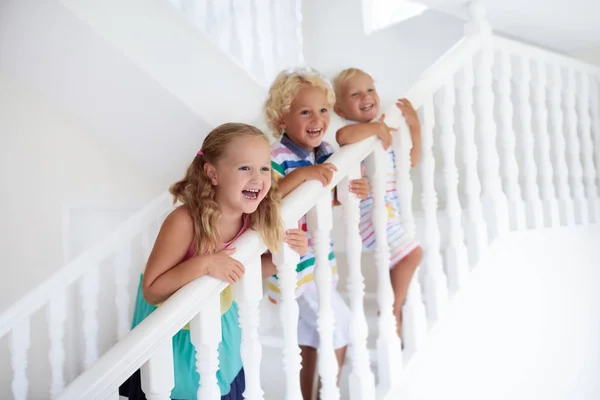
<point x="498" y="133"/>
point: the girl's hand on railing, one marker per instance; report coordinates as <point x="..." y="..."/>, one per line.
<point x="320" y="172"/>
<point x="384" y="132"/>
<point x="221" y="266"/>
<point x="409" y="113"/>
<point x="360" y="187"/>
<point x="297" y="239"/>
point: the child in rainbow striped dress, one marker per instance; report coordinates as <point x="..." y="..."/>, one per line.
<point x="357" y="102"/>
<point x="297" y="111"/>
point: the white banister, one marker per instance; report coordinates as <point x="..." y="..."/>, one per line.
<point x="56" y="316"/>
<point x="19" y="342"/>
<point x="434" y="280"/>
<point x="574" y="150"/>
<point x="546" y="169"/>
<point x="205" y="334"/>
<point x="286" y="260"/>
<point x="587" y="153"/>
<point x="565" y="201"/>
<point x="157" y="376"/>
<point x="533" y="202"/>
<point x="516" y="205"/>
<point x="456" y="258"/>
<point x="476" y="228"/>
<point x="389" y="353"/>
<point x="361" y="379"/>
<point x="248" y="293"/>
<point x="319" y="222"/>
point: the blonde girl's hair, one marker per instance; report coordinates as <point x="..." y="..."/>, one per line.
<point x="285" y="88"/>
<point x="343" y="76"/>
<point x="197" y="193"/>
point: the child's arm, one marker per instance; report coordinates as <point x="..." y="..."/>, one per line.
<point x="320" y="172"/>
<point x="412" y="120"/>
<point x="356" y="132"/>
<point x="165" y="273"/>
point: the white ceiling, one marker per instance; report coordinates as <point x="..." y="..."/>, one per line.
<point x="562" y="25"/>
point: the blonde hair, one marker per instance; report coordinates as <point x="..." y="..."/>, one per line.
<point x="342" y="77"/>
<point x="196" y="191"/>
<point x="285" y="88"/>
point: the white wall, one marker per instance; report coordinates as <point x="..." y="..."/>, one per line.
<point x="590" y="54"/>
<point x="526" y="328"/>
<point x="47" y="160"/>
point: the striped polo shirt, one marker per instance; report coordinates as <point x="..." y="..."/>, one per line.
<point x="287" y="156"/>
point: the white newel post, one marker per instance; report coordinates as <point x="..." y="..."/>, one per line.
<point x="435" y="283"/>
<point x="286" y="260"/>
<point x="457" y="262"/>
<point x="19" y="342"/>
<point x="595" y="107"/>
<point x="414" y="315"/>
<point x="320" y="222"/>
<point x="389" y="351"/>
<point x="546" y="170"/>
<point x="516" y="205"/>
<point x="88" y="289"/>
<point x="476" y="229"/>
<point x="574" y="151"/>
<point x="248" y="293"/>
<point x="57" y="315"/>
<point x="157" y="374"/>
<point x="494" y="201"/>
<point x="585" y="130"/>
<point x="533" y="202"/>
<point x="361" y="380"/>
<point x="205" y="335"/>
<point x="565" y="201"/>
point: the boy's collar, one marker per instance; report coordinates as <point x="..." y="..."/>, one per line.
<point x="301" y="151"/>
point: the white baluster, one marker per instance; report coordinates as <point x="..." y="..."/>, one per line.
<point x="278" y="22"/>
<point x="19" y="342"/>
<point x="286" y="261"/>
<point x="565" y="201"/>
<point x="516" y="205"/>
<point x="122" y="265"/>
<point x="157" y="376"/>
<point x="435" y="283"/>
<point x="585" y="129"/>
<point x="361" y="379"/>
<point x="57" y="315"/>
<point x="574" y="151"/>
<point x="533" y="202"/>
<point x="414" y="317"/>
<point x="205" y="335"/>
<point x="389" y="351"/>
<point x="248" y="293"/>
<point x="494" y="201"/>
<point x="299" y="35"/>
<point x="320" y="222"/>
<point x="245" y="29"/>
<point x="89" y="288"/>
<point x="457" y="262"/>
<point x="549" y="200"/>
<point x="476" y="229"/>
<point x="595" y="108"/>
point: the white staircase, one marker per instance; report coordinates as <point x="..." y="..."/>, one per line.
<point x="502" y="152"/>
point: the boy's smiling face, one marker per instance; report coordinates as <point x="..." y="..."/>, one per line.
<point x="358" y="99"/>
<point x="308" y="118"/>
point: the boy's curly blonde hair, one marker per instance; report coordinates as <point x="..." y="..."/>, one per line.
<point x="343" y="76"/>
<point x="285" y="88"/>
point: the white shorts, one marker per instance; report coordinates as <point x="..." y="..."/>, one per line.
<point x="308" y="306"/>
